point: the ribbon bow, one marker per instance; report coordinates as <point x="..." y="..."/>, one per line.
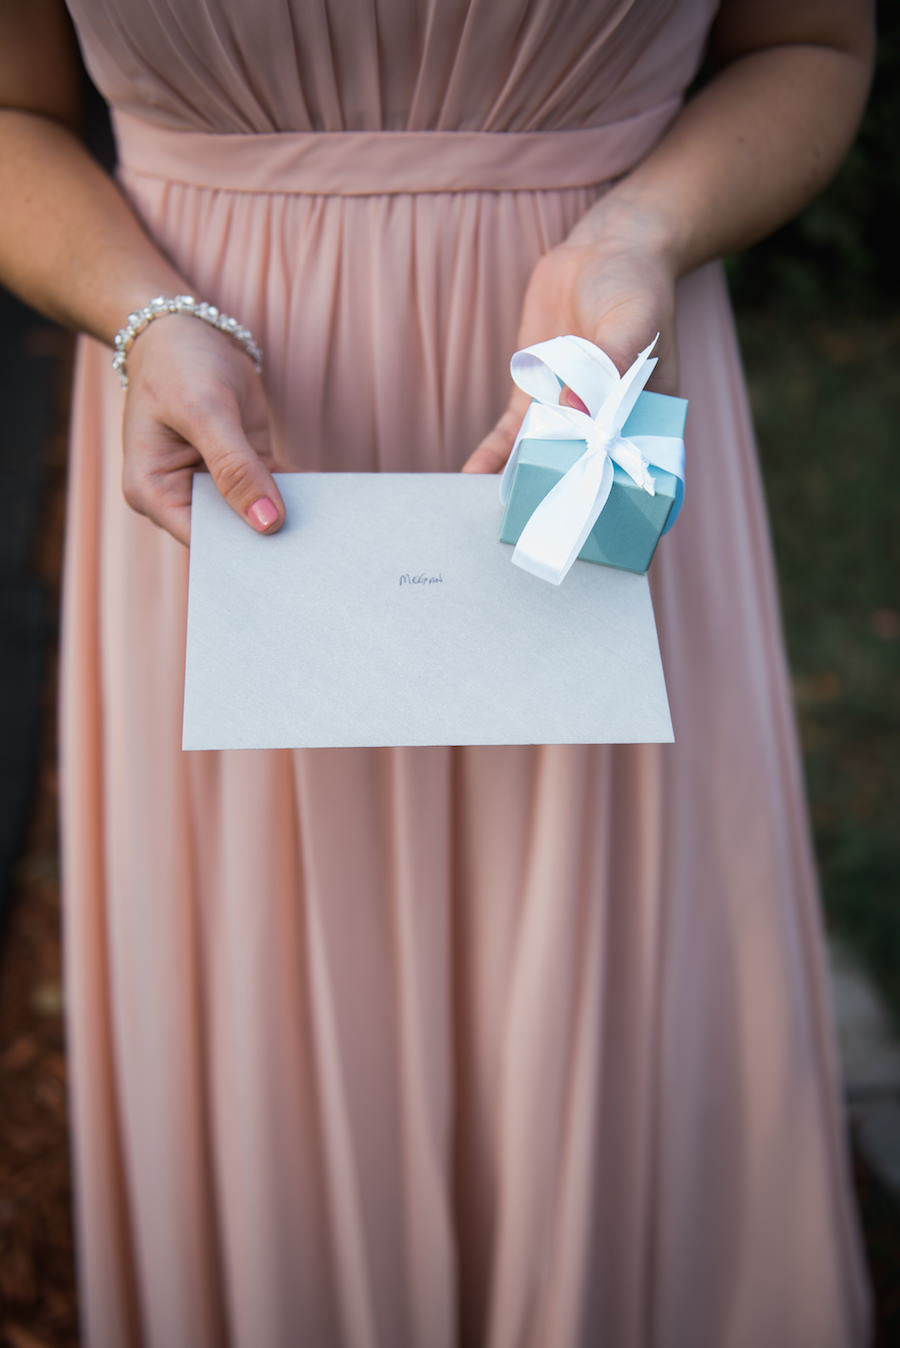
<point x="556" y="532"/>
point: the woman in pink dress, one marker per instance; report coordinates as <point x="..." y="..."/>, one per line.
<point x="521" y="1046"/>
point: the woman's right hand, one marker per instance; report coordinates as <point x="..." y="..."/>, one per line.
<point x="194" y="402"/>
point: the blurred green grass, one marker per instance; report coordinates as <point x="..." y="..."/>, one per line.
<point x="826" y="401"/>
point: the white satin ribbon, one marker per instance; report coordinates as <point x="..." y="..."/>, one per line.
<point x="556" y="532"/>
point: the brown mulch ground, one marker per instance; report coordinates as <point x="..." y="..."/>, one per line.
<point x="37" y="1293"/>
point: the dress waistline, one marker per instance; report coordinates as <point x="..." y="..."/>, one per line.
<point x="376" y="163"/>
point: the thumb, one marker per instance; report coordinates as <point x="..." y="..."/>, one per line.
<point x="236" y="468"/>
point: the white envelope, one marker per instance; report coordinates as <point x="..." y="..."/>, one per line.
<point x="386" y="612"/>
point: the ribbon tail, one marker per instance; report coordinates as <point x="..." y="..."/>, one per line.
<point x="632" y="460"/>
<point x="665" y="452"/>
<point x="631" y="384"/>
<point x="556" y="532"/>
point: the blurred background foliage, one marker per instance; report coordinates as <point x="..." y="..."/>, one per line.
<point x="818" y="307"/>
<point x="840" y="254"/>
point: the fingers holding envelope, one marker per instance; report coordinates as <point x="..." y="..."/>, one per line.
<point x="195" y="401"/>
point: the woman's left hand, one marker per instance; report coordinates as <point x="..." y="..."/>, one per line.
<point x="610" y="282"/>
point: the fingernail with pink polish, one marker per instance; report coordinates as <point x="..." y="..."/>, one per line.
<point x="262" y="514"/>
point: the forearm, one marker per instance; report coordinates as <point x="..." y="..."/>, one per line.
<point x="746" y="154"/>
<point x="70" y="244"/>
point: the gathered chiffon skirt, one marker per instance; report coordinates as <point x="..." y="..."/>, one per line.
<point x="522" y="1047"/>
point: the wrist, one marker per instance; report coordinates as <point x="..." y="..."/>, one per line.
<point x="178" y="307"/>
<point x="625" y="216"/>
<point x="133" y="282"/>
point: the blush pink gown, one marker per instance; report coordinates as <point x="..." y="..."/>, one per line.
<point x="512" y="1048"/>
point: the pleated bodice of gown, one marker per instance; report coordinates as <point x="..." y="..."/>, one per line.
<point x="276" y="68"/>
<point x="392" y="65"/>
<point x="523" y="1047"/>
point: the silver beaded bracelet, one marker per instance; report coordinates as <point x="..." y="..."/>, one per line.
<point x="180" y="304"/>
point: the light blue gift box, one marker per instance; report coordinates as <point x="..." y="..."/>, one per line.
<point x="632" y="521"/>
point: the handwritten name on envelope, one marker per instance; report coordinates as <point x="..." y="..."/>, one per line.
<point x="386" y="613"/>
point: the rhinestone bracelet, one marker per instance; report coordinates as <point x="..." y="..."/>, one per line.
<point x="180" y="304"/>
